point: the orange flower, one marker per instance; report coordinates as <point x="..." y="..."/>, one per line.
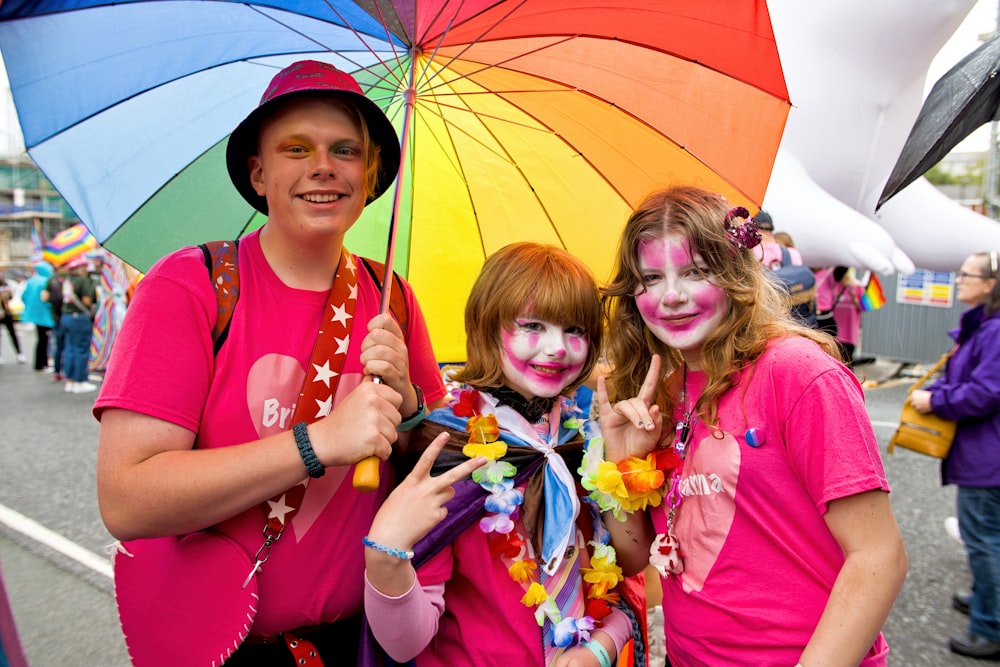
<point x="641" y="475"/>
<point x="483" y="429"/>
<point x="523" y="570"/>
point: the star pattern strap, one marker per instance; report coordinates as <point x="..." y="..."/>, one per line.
<point x="323" y="375"/>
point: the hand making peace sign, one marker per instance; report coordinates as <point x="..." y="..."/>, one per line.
<point x="631" y="427"/>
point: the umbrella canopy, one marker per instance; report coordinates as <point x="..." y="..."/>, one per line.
<point x="964" y="99"/>
<point x="542" y="120"/>
<point x="69" y="244"/>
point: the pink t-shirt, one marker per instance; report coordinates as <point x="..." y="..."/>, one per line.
<point x="163" y="366"/>
<point x="759" y="561"/>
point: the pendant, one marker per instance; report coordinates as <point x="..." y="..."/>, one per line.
<point x="665" y="554"/>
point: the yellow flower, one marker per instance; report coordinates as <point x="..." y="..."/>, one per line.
<point x="523" y="570"/>
<point x="483" y="429"/>
<point x="492" y="451"/>
<point x="640" y="501"/>
<point x="536" y="595"/>
<point x="603" y="576"/>
<point x="609" y="480"/>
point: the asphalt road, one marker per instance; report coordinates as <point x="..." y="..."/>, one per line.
<point x="53" y="544"/>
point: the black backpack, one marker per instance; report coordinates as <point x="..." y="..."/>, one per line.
<point x="800" y="284"/>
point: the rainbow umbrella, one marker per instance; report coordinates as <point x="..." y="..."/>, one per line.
<point x="69" y="244"/>
<point x="542" y="120"/>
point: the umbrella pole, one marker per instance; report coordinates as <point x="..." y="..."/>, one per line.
<point x="366" y="474"/>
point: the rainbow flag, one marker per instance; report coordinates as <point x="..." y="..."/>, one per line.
<point x="873" y="298"/>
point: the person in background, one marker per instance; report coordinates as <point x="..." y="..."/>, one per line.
<point x="968" y="393"/>
<point x="221" y="443"/>
<point x="58" y="335"/>
<point x="505" y="590"/>
<point x="774" y="495"/>
<point x="838" y="293"/>
<point x="7" y="318"/>
<point x="38" y="311"/>
<point x="769" y="251"/>
<point x="79" y="296"/>
<point x="784" y="238"/>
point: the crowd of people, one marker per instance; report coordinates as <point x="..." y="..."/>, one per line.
<point x="521" y="506"/>
<point x="60" y="304"/>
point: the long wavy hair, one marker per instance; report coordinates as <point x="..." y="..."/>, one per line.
<point x="757" y="310"/>
<point x="544" y="281"/>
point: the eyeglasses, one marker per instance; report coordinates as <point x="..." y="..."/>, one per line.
<point x="966" y="276"/>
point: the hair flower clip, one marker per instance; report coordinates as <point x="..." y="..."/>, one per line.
<point x="742" y="229"/>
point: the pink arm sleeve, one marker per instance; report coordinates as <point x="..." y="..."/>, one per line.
<point x="619" y="628"/>
<point x="404" y="625"/>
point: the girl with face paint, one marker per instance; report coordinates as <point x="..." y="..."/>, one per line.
<point x="772" y="531"/>
<point x="512" y="567"/>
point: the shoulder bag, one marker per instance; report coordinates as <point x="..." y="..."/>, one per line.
<point x="924" y="433"/>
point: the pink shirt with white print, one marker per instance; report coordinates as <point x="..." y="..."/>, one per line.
<point x="163" y="366"/>
<point x="759" y="561"/>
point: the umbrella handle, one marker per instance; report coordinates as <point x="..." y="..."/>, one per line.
<point x="366" y="477"/>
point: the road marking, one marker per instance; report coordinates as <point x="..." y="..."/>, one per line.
<point x="36" y="531"/>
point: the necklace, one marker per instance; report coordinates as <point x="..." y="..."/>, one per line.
<point x="665" y="552"/>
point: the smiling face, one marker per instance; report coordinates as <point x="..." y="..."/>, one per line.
<point x="677" y="299"/>
<point x="310" y="166"/>
<point x="541" y="358"/>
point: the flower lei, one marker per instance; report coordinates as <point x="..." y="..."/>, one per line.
<point x="633" y="484"/>
<point x="497" y="477"/>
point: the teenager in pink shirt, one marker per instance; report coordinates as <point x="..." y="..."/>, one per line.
<point x="218" y="446"/>
<point x="775" y="540"/>
<point x="510" y="588"/>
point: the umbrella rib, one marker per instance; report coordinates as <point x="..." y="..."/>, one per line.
<point x="506" y="156"/>
<point x="353" y="30"/>
<point x="468" y="46"/>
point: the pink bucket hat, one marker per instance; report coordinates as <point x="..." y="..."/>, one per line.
<point x="312" y="78"/>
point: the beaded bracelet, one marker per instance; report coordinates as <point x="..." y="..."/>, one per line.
<point x="398" y="553"/>
<point x="306" y="451"/>
<point x="598" y="649"/>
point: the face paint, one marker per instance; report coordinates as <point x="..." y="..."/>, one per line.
<point x="541" y="358"/>
<point x="677" y="299"/>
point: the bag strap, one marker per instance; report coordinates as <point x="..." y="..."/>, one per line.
<point x="941" y="362"/>
<point x="397" y="298"/>
<point x="222" y="262"/>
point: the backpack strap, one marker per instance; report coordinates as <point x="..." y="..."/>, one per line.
<point x="786" y="256"/>
<point x="222" y="262"/>
<point x="397" y="297"/>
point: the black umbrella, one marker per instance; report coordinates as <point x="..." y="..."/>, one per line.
<point x="961" y="101"/>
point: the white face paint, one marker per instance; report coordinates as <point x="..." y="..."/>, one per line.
<point x="678" y="301"/>
<point x="541" y="358"/>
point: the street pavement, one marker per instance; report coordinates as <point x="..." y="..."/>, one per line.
<point x="53" y="546"/>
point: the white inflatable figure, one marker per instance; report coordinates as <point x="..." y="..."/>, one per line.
<point x="856" y="72"/>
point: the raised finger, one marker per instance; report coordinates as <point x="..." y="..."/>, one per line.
<point x="460" y="472"/>
<point x="648" y="390"/>
<point x="602" y="392"/>
<point x="423" y="465"/>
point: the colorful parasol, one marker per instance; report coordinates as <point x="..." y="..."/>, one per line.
<point x="69" y="244"/>
<point x="540" y="120"/>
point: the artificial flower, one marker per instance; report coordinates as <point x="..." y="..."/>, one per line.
<point x="536" y="595"/>
<point x="572" y="631"/>
<point x="503" y="498"/>
<point x="602" y="576"/>
<point x="465" y="404"/>
<point x="509" y="545"/>
<point x="598" y="608"/>
<point x="483" y="429"/>
<point x="547" y="609"/>
<point x="493" y="472"/>
<point x="523" y="571"/>
<point x="641" y="475"/>
<point x="609" y="480"/>
<point x="496" y="523"/>
<point x="642" y="501"/>
<point x="491" y="451"/>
